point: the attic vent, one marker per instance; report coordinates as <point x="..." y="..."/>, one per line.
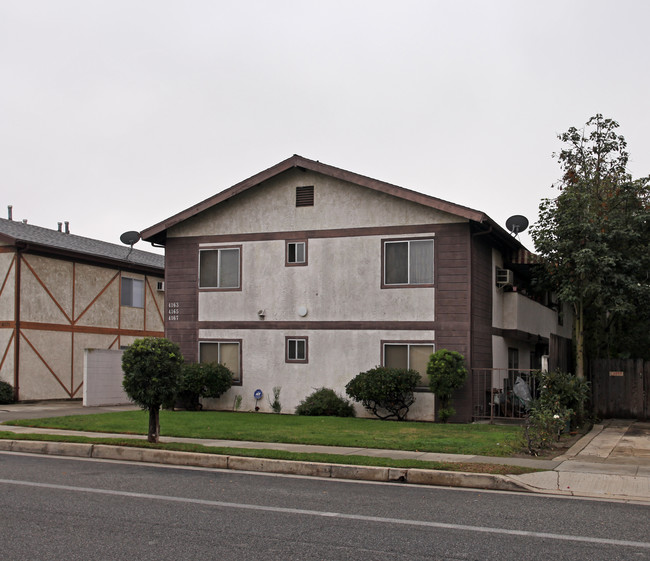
<point x="305" y="196"/>
<point x="505" y="277"/>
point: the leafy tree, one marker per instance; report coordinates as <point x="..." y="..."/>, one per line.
<point x="447" y="373"/>
<point x="594" y="239"/>
<point x="152" y="369"/>
<point x="385" y="392"/>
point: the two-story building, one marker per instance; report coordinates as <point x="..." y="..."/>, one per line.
<point x="61" y="294"/>
<point x="304" y="275"/>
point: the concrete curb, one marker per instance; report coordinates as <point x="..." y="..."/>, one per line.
<point x="267" y="465"/>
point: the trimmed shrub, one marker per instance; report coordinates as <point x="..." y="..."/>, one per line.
<point x="447" y="373"/>
<point x="325" y="402"/>
<point x="6" y="392"/>
<point x="385" y="392"/>
<point x="202" y="380"/>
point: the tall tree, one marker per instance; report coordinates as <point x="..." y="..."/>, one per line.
<point x="594" y="235"/>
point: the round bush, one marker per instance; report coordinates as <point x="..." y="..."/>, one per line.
<point x="325" y="402"/>
<point x="6" y="393"/>
<point x="202" y="380"/>
<point x="385" y="392"/>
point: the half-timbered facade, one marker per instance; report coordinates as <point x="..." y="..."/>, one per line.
<point x="60" y="294"/>
<point x="304" y="275"/>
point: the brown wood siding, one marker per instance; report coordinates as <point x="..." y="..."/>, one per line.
<point x="181" y="293"/>
<point x="560" y="354"/>
<point x="620" y="388"/>
<point x="481" y="322"/>
<point x="481" y="304"/>
<point x="452" y="287"/>
<point x="453" y="274"/>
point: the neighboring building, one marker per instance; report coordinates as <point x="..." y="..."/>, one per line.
<point x="61" y="294"/>
<point x="304" y="275"/>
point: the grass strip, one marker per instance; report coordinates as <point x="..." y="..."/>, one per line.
<point x="279" y="454"/>
<point x="470" y="439"/>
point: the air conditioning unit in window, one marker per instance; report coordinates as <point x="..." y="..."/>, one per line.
<point x="505" y="277"/>
<point x="160" y="286"/>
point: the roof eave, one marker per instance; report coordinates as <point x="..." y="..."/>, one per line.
<point x="33" y="247"/>
<point x="157" y="232"/>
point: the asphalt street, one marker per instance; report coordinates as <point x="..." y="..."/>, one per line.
<point x="61" y="508"/>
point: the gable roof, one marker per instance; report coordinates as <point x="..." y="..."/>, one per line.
<point x="45" y="240"/>
<point x="157" y="232"/>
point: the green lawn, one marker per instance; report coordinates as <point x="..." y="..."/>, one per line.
<point x="358" y="460"/>
<point x="485" y="440"/>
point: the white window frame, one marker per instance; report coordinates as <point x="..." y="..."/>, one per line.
<point x="296" y="261"/>
<point x="408" y="345"/>
<point x="219" y="251"/>
<point x="129" y="294"/>
<point x="409" y="282"/>
<point x="219" y="342"/>
<point x="287" y="352"/>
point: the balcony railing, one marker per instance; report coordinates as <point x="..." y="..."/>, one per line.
<point x="502" y="393"/>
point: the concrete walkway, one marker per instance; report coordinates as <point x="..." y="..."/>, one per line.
<point x="612" y="461"/>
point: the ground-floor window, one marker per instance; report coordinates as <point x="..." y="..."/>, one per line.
<point x="227" y="353"/>
<point x="296" y="349"/>
<point x="411" y="355"/>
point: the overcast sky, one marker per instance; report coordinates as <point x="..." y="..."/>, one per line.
<point x="116" y="114"/>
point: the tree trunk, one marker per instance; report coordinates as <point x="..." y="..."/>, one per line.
<point x="154" y="424"/>
<point x="579" y="322"/>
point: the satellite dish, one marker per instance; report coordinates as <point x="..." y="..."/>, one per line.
<point x="129" y="238"/>
<point x="517" y="224"/>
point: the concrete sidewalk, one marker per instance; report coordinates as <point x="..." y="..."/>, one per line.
<point x="612" y="461"/>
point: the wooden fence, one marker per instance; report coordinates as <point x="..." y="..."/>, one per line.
<point x="620" y="388"/>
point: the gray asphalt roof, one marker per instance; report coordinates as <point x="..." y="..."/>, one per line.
<point x="28" y="233"/>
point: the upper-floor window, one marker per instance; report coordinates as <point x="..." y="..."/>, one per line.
<point x="132" y="293"/>
<point x="408" y="262"/>
<point x="219" y="268"/>
<point x="296" y="253"/>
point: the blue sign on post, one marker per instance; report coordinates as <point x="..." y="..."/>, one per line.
<point x="258" y="394"/>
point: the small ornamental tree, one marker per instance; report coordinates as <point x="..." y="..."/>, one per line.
<point x="447" y="373"/>
<point x="152" y="369"/>
<point x="385" y="392"/>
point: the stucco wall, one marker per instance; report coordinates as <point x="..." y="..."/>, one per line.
<point x="270" y="207"/>
<point x="7" y="309"/>
<point x="66" y="307"/>
<point x="341" y="283"/>
<point x="335" y="357"/>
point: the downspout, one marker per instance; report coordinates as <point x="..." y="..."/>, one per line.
<point x="17" y="323"/>
<point x="471" y="316"/>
